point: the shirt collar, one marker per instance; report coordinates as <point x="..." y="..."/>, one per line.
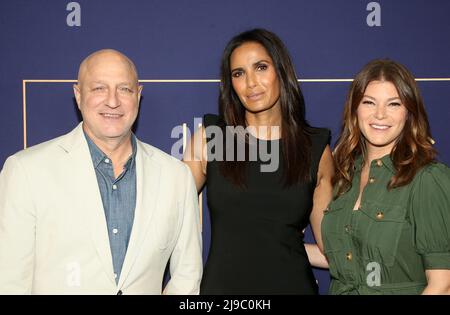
<point x="385" y="160"/>
<point x="132" y="158"/>
<point x="98" y="156"/>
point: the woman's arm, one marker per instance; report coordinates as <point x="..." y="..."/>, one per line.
<point x="195" y="157"/>
<point x="315" y="256"/>
<point x="438" y="282"/>
<point x="323" y="193"/>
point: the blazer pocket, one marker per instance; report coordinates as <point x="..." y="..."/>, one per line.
<point x="167" y="226"/>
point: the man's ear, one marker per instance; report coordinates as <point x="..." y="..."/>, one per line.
<point x="140" y="87"/>
<point x="77" y="93"/>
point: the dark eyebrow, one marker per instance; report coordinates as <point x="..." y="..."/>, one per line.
<point x="389" y="99"/>
<point x="262" y="60"/>
<point x="254" y="64"/>
<point x="235" y="69"/>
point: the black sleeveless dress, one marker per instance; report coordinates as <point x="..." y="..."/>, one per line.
<point x="256" y="232"/>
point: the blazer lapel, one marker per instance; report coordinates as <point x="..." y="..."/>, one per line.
<point x="82" y="171"/>
<point x="147" y="192"/>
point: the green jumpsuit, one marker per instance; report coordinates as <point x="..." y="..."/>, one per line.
<point x="385" y="246"/>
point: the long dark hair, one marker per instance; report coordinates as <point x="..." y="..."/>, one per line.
<point x="413" y="149"/>
<point x="295" y="130"/>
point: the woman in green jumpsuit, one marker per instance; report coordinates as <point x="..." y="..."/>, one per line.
<point x="388" y="229"/>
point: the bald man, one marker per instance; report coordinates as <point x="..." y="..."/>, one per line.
<point x="97" y="211"/>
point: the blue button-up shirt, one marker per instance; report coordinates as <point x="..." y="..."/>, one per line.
<point x="119" y="200"/>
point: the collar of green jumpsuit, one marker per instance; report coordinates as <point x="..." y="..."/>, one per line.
<point x="385" y="161"/>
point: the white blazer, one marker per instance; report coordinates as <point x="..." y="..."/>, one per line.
<point x="53" y="233"/>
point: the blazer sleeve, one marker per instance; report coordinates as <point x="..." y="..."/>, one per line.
<point x="17" y="230"/>
<point x="186" y="265"/>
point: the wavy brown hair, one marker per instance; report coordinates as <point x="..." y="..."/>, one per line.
<point x="413" y="149"/>
<point x="295" y="130"/>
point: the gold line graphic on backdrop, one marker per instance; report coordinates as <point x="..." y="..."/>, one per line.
<point x="200" y="196"/>
<point x="24" y="112"/>
<point x="24" y="88"/>
<point x="24" y="97"/>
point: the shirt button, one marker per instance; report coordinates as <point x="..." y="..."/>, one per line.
<point x="380" y="215"/>
<point x="114" y="187"/>
<point x="347" y="228"/>
<point x="372" y="180"/>
<point x="115" y="276"/>
<point x="107" y="161"/>
<point x="115" y="231"/>
<point x="349" y="256"/>
<point x="379" y="163"/>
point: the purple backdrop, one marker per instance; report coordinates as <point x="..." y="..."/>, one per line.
<point x="179" y="40"/>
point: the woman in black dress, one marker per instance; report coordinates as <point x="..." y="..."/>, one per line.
<point x="267" y="172"/>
